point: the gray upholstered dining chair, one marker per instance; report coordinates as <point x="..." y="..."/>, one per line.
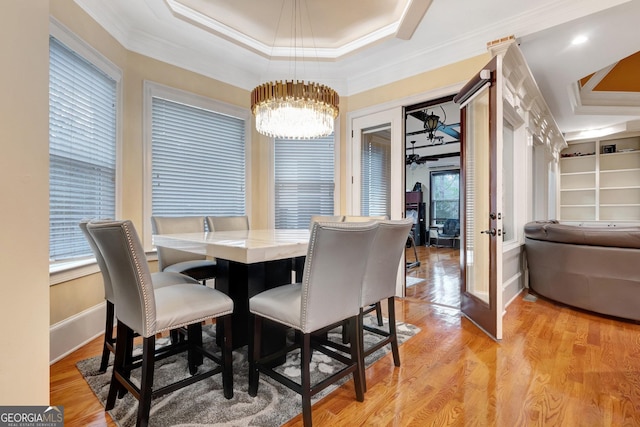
<point x="193" y="265"/>
<point x="360" y="218"/>
<point x="228" y="223"/>
<point x="329" y="293"/>
<point x="325" y="218"/>
<point x="147" y="311"/>
<point x="159" y="279"/>
<point x="379" y="283"/>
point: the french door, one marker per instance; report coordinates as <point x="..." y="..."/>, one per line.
<point x="481" y="200"/>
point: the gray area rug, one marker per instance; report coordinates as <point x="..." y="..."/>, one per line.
<point x="203" y="404"/>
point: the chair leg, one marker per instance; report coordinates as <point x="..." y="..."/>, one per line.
<point x="357" y="355"/>
<point x="305" y="377"/>
<point x="174" y="334"/>
<point x="194" y="341"/>
<point x="345" y="332"/>
<point x="107" y="347"/>
<point x="379" y="313"/>
<point x="393" y="334"/>
<point x="146" y="380"/>
<point x="227" y="359"/>
<point x="254" y="356"/>
<point x="129" y="335"/>
<point x="360" y="351"/>
<point x="115" y="386"/>
<point x="298" y="337"/>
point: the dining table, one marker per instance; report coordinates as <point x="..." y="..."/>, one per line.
<point x="248" y="262"/>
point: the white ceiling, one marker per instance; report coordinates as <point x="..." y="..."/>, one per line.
<point x="557" y="65"/>
<point x="364" y="45"/>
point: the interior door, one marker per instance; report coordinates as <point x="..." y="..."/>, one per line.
<point x="481" y="199"/>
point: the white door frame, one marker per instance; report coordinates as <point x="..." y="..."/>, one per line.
<point x="393" y="113"/>
<point x="392" y="118"/>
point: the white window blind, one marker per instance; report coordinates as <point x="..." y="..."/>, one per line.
<point x="376" y="177"/>
<point x="82" y="149"/>
<point x="304" y="180"/>
<point x="198" y="161"/>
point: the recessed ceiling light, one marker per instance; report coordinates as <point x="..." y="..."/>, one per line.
<point x="579" y="40"/>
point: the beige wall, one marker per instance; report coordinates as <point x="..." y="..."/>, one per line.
<point x="74" y="296"/>
<point x="24" y="191"/>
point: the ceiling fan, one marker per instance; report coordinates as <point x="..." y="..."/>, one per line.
<point x="432" y="123"/>
<point x="414" y="158"/>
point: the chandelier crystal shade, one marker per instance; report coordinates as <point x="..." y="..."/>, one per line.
<point x="300" y="110"/>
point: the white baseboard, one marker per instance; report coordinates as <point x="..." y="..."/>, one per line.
<point x="513" y="287"/>
<point x="72" y="333"/>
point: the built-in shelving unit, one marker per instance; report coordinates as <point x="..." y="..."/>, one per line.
<point x="600" y="180"/>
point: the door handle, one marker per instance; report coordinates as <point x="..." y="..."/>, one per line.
<point x="492" y="232"/>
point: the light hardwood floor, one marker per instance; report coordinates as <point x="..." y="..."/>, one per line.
<point x="556" y="366"/>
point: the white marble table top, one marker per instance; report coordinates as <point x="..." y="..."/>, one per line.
<point x="246" y="246"/>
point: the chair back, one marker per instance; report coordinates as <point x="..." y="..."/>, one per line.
<point x="384" y="260"/>
<point x="173" y="225"/>
<point x="325" y="218"/>
<point x="126" y="262"/>
<point x="451" y="227"/>
<point x="333" y="272"/>
<point x="228" y="223"/>
<point x="106" y="279"/>
<point x="357" y="218"/>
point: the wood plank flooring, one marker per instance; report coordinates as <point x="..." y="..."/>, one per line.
<point x="440" y="267"/>
<point x="555" y="366"/>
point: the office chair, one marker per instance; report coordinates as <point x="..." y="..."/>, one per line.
<point x="450" y="230"/>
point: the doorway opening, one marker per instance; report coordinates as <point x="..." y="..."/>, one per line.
<point x="432" y="199"/>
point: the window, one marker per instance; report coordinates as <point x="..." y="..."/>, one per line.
<point x="376" y="174"/>
<point x="82" y="149"/>
<point x="304" y="180"/>
<point x="198" y="161"/>
<point x="445" y="196"/>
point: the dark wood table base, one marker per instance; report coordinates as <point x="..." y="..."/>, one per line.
<point x="241" y="282"/>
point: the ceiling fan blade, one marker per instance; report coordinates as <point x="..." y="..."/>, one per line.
<point x="426" y="159"/>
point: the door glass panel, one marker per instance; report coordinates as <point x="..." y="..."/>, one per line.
<point x="477" y="162"/>
<point x="376" y="172"/>
<point x="508" y="178"/>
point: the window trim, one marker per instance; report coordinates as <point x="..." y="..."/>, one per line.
<point x="65" y="271"/>
<point x="152" y="89"/>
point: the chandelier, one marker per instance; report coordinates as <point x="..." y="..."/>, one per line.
<point x="432" y="123"/>
<point x="294" y="109"/>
